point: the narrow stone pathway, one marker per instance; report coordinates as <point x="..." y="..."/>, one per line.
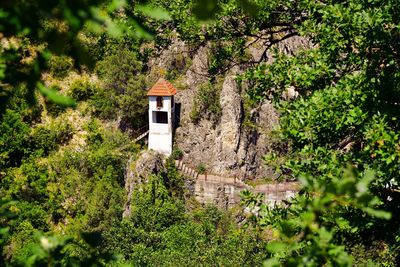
<point x="225" y="191"/>
<point x="207" y="177"/>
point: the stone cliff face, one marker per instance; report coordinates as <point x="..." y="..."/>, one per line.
<point x="227" y="147"/>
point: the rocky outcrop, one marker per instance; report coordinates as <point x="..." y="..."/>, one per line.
<point x="229" y="137"/>
<point x="228" y="147"/>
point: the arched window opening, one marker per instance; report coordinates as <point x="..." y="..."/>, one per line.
<point x="159" y="100"/>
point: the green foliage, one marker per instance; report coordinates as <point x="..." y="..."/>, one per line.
<point x="5" y="215"/>
<point x="82" y="89"/>
<point x="165" y="210"/>
<point x="54" y="251"/>
<point x="58" y="26"/>
<point x="160" y="231"/>
<point x="224" y="55"/>
<point x="13" y="138"/>
<point x="177" y="66"/>
<point x="177" y="153"/>
<point x="47" y="138"/>
<point x="306" y="235"/>
<point x="21" y="243"/>
<point x="186" y="24"/>
<point x="54" y="109"/>
<point x="201" y="168"/>
<point x="53" y="95"/>
<point x="207" y="239"/>
<point x="375" y="254"/>
<point x="206" y="104"/>
<point x="60" y="66"/>
<point x="173" y="180"/>
<point x="47" y="190"/>
<point x="339" y="137"/>
<point x="27" y="183"/>
<point x="124" y="92"/>
<point x="346" y="115"/>
<point x="96" y="174"/>
<point x="68" y="191"/>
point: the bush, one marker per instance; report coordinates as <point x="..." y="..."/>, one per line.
<point x="153" y="207"/>
<point x="28" y="183"/>
<point x="210" y="238"/>
<point x="201" y="168"/>
<point x="95" y="174"/>
<point x="177" y="154"/>
<point x="178" y="65"/>
<point x="49" y="137"/>
<point x="173" y="180"/>
<point x="82" y="89"/>
<point x="60" y="66"/>
<point x="14" y="134"/>
<point x="52" y="108"/>
<point x="206" y="104"/>
<point x="124" y="91"/>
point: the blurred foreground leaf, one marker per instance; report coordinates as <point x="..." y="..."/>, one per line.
<point x="54" y="96"/>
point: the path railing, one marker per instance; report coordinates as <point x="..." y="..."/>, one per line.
<point x="273" y="187"/>
<point x="186" y="170"/>
<point x="231" y="186"/>
<point x="183" y="168"/>
<point x="142" y="132"/>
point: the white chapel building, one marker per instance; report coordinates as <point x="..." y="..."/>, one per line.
<point x="161" y="116"/>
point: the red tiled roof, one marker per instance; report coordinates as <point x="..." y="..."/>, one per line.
<point x="162" y="88"/>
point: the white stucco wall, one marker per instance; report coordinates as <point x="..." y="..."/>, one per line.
<point x="160" y="134"/>
<point x="161" y="143"/>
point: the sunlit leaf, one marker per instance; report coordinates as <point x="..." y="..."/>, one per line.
<point x="271" y="263"/>
<point x="140" y="31"/>
<point x="276" y="246"/>
<point x="378" y="213"/>
<point x="92" y="238"/>
<point x="54" y="96"/>
<point x="116" y="4"/>
<point x="205" y="9"/>
<point x="153" y="12"/>
<point x="248" y="7"/>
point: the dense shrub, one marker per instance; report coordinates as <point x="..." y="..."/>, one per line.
<point x="95" y="174"/>
<point x="52" y="108"/>
<point x="46" y="138"/>
<point x="60" y="66"/>
<point x="82" y="89"/>
<point x="124" y="93"/>
<point x="29" y="182"/>
<point x="201" y="168"/>
<point x="177" y="66"/>
<point x="14" y="134"/>
<point x="164" y="212"/>
<point x="160" y="232"/>
<point x="173" y="180"/>
<point x="206" y="104"/>
<point x="209" y="239"/>
<point x="177" y="154"/>
<point x="21" y="242"/>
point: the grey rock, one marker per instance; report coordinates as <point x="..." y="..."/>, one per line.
<point x="228" y="147"/>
